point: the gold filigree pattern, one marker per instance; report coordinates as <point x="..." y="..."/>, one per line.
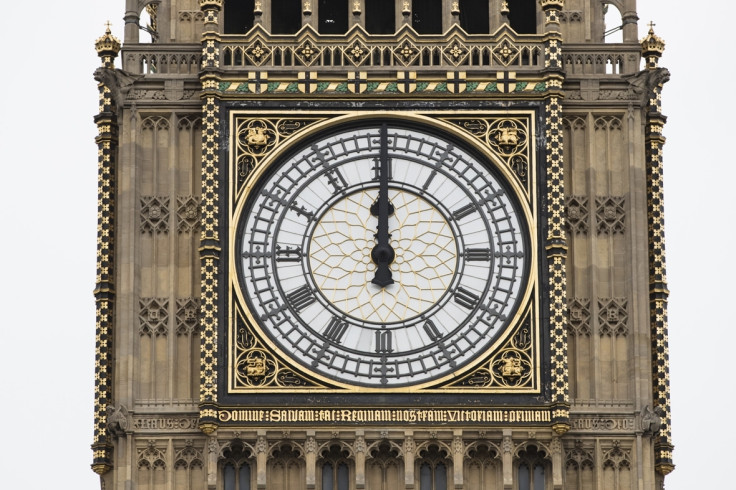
<point x="256" y="367"/>
<point x="658" y="292"/>
<point x="507" y="137"/>
<point x="209" y="257"/>
<point x="340" y="257"/>
<point x="257" y="137"/>
<point x="511" y="367"/>
<point x="556" y="244"/>
<point x="107" y="147"/>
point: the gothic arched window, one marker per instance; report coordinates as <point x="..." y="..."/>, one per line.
<point x="335" y="469"/>
<point x="333" y="16"/>
<point x="523" y="16"/>
<point x="426" y="16"/>
<point x="531" y="469"/>
<point x="380" y="16"/>
<point x="286" y="16"/>
<point x="236" y="467"/>
<point x="433" y="469"/>
<point x="238" y="16"/>
<point x="474" y="16"/>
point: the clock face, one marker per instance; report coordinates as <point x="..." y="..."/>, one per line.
<point x="382" y="256"/>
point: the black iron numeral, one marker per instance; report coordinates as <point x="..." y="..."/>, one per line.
<point x="384" y="342"/>
<point x="335" y="330"/>
<point x="301" y="298"/>
<point x="466" y="299"/>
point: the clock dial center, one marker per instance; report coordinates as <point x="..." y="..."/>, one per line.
<point x="424" y="265"/>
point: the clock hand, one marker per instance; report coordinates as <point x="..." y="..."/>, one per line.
<point x="383" y="254"/>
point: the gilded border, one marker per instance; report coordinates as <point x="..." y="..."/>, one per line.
<point x="240" y="124"/>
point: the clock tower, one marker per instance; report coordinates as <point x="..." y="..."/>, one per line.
<point x="381" y="244"/>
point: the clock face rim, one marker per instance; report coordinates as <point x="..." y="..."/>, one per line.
<point x="319" y="132"/>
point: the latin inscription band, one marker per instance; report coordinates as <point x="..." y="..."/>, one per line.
<point x="274" y="416"/>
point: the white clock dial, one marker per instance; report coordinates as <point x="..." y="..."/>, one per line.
<point x="401" y="305"/>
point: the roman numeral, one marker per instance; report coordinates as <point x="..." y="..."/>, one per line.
<point x="464" y="211"/>
<point x="300" y="298"/>
<point x="334" y="177"/>
<point x="478" y="254"/>
<point x="466" y="299"/>
<point x="301" y="211"/>
<point x="432" y="331"/>
<point x="377" y="169"/>
<point x="288" y="254"/>
<point x="335" y="330"/>
<point x="384" y="342"/>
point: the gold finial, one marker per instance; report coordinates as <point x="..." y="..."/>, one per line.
<point x="406" y="8"/>
<point x="652" y="47"/>
<point x="504" y="8"/>
<point x="455" y="8"/>
<point x="107" y="45"/>
<point x="307" y="7"/>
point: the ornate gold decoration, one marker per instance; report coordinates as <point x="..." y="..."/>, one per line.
<point x="256" y="137"/>
<point x="658" y="292"/>
<point x="506" y="52"/>
<point x="511" y="367"/>
<point x="456" y="52"/>
<point x="107" y="48"/>
<point x="258" y="52"/>
<point x="652" y="48"/>
<point x="209" y="257"/>
<point x="356" y="52"/>
<point x="507" y="137"/>
<point x="406" y="52"/>
<point x="308" y="52"/>
<point x="256" y="367"/>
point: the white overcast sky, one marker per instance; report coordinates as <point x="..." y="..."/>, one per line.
<point x="48" y="225"/>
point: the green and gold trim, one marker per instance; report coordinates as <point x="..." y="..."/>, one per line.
<point x="381" y="86"/>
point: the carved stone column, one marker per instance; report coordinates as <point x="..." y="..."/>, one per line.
<point x="261" y="459"/>
<point x="458" y="453"/>
<point x="409" y="449"/>
<point x="360" y="449"/>
<point x="557" y="463"/>
<point x="507" y="459"/>
<point x="213" y="450"/>
<point x="310" y="448"/>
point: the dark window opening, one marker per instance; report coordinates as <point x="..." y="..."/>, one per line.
<point x="286" y="16"/>
<point x="380" y="16"/>
<point x="523" y="16"/>
<point x="333" y="16"/>
<point x="474" y="16"/>
<point x="426" y="16"/>
<point x="238" y="16"/>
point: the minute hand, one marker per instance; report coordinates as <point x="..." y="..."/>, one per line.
<point x="383" y="254"/>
